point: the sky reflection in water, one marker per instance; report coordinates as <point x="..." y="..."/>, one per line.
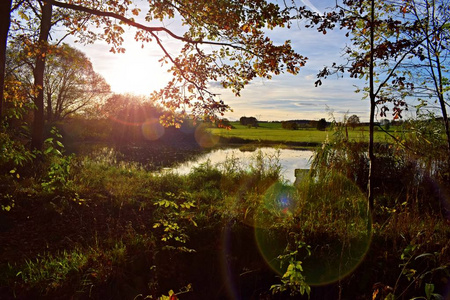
<point x="289" y="159"/>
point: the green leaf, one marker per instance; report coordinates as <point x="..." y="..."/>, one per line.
<point x="429" y="288"/>
<point x="48" y="150"/>
<point x="390" y="296"/>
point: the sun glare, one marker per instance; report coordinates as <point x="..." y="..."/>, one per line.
<point x="136" y="74"/>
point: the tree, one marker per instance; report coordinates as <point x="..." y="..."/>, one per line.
<point x="353" y="121"/>
<point x="290" y="125"/>
<point x="322" y="124"/>
<point x="249" y="121"/>
<point x="135" y="118"/>
<point x="238" y="51"/>
<point x="432" y="19"/>
<point x="37" y="138"/>
<point x="123" y="104"/>
<point x="5" y="8"/>
<point x="70" y="83"/>
<point x="379" y="47"/>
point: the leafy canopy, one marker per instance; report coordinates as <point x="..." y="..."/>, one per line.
<point x="219" y="41"/>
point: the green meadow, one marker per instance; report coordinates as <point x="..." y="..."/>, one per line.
<point x="273" y="132"/>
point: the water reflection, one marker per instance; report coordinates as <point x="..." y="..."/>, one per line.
<point x="289" y="159"/>
<point x="182" y="161"/>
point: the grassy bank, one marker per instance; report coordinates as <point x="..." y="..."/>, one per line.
<point x="113" y="230"/>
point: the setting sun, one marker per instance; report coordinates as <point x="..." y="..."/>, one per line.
<point x="137" y="71"/>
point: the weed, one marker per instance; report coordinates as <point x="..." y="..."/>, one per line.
<point x="293" y="280"/>
<point x="173" y="216"/>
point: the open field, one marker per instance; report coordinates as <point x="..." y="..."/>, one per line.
<point x="273" y="132"/>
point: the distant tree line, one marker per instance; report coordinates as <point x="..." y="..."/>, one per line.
<point x="294" y="125"/>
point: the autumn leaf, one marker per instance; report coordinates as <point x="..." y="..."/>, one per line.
<point x="135" y="11"/>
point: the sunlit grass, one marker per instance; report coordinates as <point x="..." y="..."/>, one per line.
<point x="273" y="132"/>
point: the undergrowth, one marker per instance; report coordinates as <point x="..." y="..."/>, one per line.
<point x="140" y="233"/>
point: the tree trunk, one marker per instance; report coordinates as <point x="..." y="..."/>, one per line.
<point x="37" y="137"/>
<point x="447" y="127"/>
<point x="440" y="88"/>
<point x="370" y="188"/>
<point x="49" y="107"/>
<point x="5" y="21"/>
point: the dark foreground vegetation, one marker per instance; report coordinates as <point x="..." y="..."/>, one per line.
<point x="95" y="227"/>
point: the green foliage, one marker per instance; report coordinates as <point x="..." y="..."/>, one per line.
<point x="7" y="203"/>
<point x="205" y="176"/>
<point x="13" y="152"/>
<point x="80" y="270"/>
<point x="57" y="177"/>
<point x="15" y="157"/>
<point x="418" y="267"/>
<point x="266" y="165"/>
<point x="293" y="279"/>
<point x="346" y="157"/>
<point x="173" y="216"/>
<point x="353" y="121"/>
<point x="171" y="295"/>
<point x="49" y="273"/>
<point x="424" y="136"/>
<point x="105" y="177"/>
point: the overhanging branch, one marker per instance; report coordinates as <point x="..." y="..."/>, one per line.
<point x="130" y="22"/>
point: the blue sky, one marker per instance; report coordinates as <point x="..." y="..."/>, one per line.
<point x="284" y="97"/>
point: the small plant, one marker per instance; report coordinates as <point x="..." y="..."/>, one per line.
<point x="429" y="295"/>
<point x="171" y="295"/>
<point x="293" y="279"/>
<point x="412" y="260"/>
<point x="173" y="218"/>
<point x="7" y="203"/>
<point x="58" y="173"/>
<point x="49" y="273"/>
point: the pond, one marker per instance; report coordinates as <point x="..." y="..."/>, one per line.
<point x="181" y="160"/>
<point x="289" y="159"/>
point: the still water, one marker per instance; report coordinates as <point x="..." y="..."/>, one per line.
<point x="182" y="161"/>
<point x="289" y="159"/>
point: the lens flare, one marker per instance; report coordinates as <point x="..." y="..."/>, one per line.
<point x="277" y="207"/>
<point x="152" y="129"/>
<point x="329" y="215"/>
<point x="204" y="138"/>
